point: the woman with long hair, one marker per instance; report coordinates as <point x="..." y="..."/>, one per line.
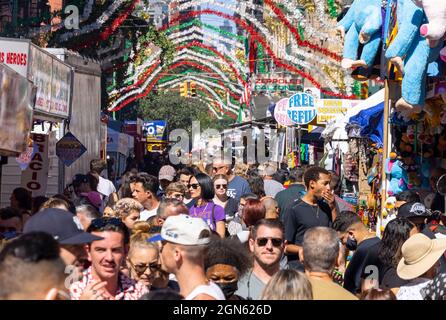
<point x="201" y="189"/>
<point x="384" y="257"/>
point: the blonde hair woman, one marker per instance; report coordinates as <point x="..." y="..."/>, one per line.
<point x="143" y="259"/>
<point x="128" y="211"/>
<point x="288" y="285"/>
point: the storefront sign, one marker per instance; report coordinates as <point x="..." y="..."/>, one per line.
<point x="154" y="130"/>
<point x="35" y="177"/>
<point x="69" y="149"/>
<point x="15" y="55"/>
<point x="280" y="113"/>
<point x="327" y="109"/>
<point x="53" y="79"/>
<point x="16" y="111"/>
<point x="278" y="84"/>
<point x="301" y="108"/>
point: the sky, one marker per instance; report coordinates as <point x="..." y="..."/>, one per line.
<point x="216" y="20"/>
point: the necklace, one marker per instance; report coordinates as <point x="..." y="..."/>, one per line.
<point x="204" y="211"/>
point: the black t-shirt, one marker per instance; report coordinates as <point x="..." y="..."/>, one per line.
<point x="300" y="217"/>
<point x="286" y="197"/>
<point x="354" y="271"/>
<point x="231" y="207"/>
<point x="387" y="276"/>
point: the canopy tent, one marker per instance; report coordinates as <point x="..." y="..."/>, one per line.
<point x="336" y="132"/>
<point x="370" y="124"/>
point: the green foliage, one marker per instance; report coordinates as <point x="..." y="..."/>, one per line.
<point x="179" y="112"/>
<point x="161" y="40"/>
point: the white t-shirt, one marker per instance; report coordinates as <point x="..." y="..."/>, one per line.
<point x="412" y="290"/>
<point x="146" y="214"/>
<point x="105" y="187"/>
<point x="210" y="289"/>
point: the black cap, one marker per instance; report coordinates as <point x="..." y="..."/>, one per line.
<point x="61" y="224"/>
<point x="412" y="210"/>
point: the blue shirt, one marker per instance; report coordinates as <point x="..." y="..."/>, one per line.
<point x="238" y="187"/>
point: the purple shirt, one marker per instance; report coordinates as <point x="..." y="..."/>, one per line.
<point x="205" y="212"/>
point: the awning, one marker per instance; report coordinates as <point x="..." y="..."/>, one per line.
<point x="119" y="142"/>
<point x="370" y="124"/>
<point x="336" y="129"/>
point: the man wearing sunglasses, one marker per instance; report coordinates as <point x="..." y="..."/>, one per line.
<point x="237" y="186"/>
<point x="266" y="242"/>
<point x="103" y="280"/>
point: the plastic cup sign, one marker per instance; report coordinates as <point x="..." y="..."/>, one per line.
<point x="280" y="113"/>
<point x="301" y="108"/>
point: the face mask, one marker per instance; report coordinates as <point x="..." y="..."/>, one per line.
<point x="228" y="288"/>
<point x="351" y="244"/>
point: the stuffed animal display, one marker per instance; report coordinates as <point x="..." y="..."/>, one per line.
<point x="396" y="174"/>
<point x="361" y="24"/>
<point x="435" y="29"/>
<point x="411" y="54"/>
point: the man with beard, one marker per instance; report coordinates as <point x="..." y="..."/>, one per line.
<point x="266" y="243"/>
<point x="103" y="280"/>
<point x="316" y="208"/>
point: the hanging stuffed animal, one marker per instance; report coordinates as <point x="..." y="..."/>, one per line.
<point x="411" y="54"/>
<point x="396" y="174"/>
<point x="435" y="29"/>
<point x="361" y="24"/>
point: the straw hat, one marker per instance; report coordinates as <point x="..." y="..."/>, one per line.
<point x="419" y="255"/>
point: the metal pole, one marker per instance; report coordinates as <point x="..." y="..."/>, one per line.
<point x="299" y="140"/>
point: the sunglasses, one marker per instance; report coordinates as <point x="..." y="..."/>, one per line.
<point x="141" y="268"/>
<point x="221" y="186"/>
<point x="193" y="186"/>
<point x="277" y="242"/>
<point x="217" y="168"/>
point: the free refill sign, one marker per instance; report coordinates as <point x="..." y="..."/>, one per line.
<point x="301" y="108"/>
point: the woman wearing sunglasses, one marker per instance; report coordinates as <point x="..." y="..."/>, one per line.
<point x="143" y="259"/>
<point x="221" y="197"/>
<point x="201" y="189"/>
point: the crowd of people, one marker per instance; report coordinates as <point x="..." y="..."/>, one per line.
<point x="219" y="232"/>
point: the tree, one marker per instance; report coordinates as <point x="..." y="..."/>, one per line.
<point x="179" y="112"/>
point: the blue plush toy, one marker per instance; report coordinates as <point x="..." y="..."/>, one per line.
<point x="397" y="176"/>
<point x="362" y="23"/>
<point x="411" y="54"/>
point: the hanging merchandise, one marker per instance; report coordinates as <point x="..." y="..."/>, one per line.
<point x="411" y="54"/>
<point x="362" y="24"/>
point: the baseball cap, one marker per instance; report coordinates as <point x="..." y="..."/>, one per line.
<point x="61" y="224"/>
<point x="167" y="173"/>
<point x="412" y="210"/>
<point x="184" y="229"/>
<point x="93" y="197"/>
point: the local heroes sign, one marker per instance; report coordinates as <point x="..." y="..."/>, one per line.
<point x="301" y="108"/>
